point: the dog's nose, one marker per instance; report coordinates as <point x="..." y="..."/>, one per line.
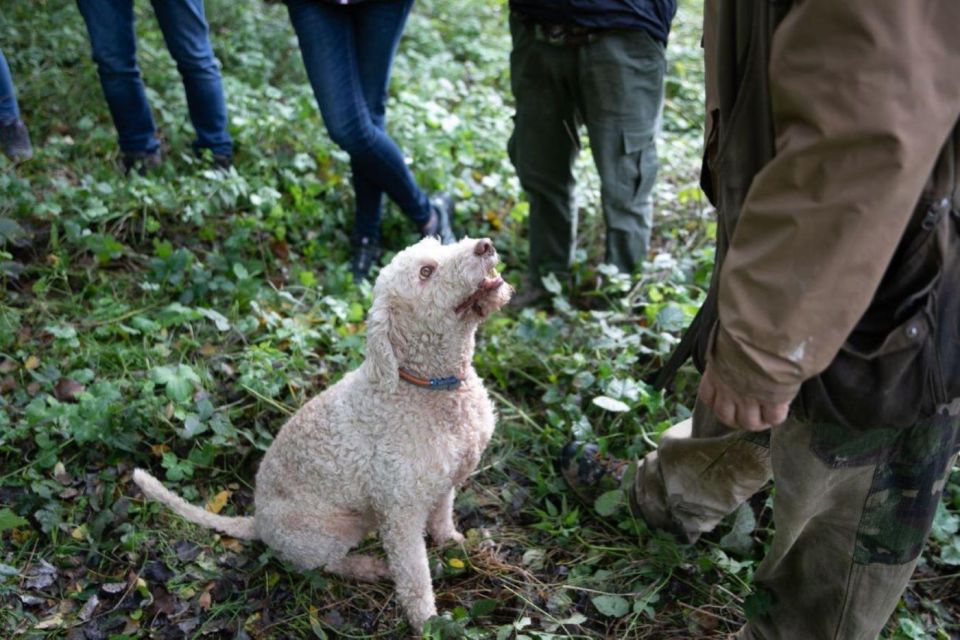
<point x="484" y="247"/>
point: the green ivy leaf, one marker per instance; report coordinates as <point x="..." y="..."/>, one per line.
<point x="193" y="426"/>
<point x="608" y="503"/>
<point x="950" y="554"/>
<point x="483" y="608"/>
<point x="739" y="540"/>
<point x="551" y="284"/>
<point x="912" y="629"/>
<point x="945" y="524"/>
<point x="611" y="606"/>
<point x="177" y="469"/>
<point x="178" y="381"/>
<point x="10" y="520"/>
<point x="218" y="319"/>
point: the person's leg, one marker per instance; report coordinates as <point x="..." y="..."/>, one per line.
<point x="851" y="513"/>
<point x="328" y="43"/>
<point x="9" y="110"/>
<point x="110" y="24"/>
<point x="187" y="36"/>
<point x="621" y="77"/>
<point x="544" y="145"/>
<point x="378" y="29"/>
<point x="14" y="138"/>
<point x="701" y="472"/>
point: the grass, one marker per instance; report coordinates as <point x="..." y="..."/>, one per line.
<point x="173" y="322"/>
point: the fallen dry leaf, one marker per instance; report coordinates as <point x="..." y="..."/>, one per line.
<point x="7" y="366"/>
<point x="218" y="502"/>
<point x="87" y="611"/>
<point x="159" y="449"/>
<point x="280" y="249"/>
<point x="113" y="587"/>
<point x="232" y="544"/>
<point x="60" y="474"/>
<point x="208" y="350"/>
<point x="67" y="390"/>
<point x="31" y="363"/>
<point x="7" y="384"/>
<point x="52" y="622"/>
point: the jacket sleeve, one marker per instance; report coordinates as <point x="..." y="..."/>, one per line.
<point x="864" y="93"/>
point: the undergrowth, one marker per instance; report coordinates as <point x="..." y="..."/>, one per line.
<point x="174" y="321"/>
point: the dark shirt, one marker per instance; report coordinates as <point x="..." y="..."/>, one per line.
<point x="653" y="16"/>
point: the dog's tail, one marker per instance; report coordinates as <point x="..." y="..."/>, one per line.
<point x="152" y="488"/>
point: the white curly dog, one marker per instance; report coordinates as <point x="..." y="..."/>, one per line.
<point x="385" y="447"/>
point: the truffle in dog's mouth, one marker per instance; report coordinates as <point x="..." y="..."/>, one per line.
<point x="474" y="302"/>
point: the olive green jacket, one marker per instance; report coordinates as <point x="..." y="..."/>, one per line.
<point x="861" y="95"/>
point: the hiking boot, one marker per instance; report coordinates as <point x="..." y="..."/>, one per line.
<point x="222" y="161"/>
<point x="15" y="141"/>
<point x="439" y="224"/>
<point x="141" y="163"/>
<point x="366" y="253"/>
<point x="589" y="473"/>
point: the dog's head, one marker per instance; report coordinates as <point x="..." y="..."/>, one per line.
<point x="429" y="300"/>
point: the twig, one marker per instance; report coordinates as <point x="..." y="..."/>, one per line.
<point x="715" y="616"/>
<point x="936" y="578"/>
<point x="279" y="406"/>
<point x="520" y="412"/>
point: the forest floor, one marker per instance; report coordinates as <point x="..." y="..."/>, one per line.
<point x="174" y="321"/>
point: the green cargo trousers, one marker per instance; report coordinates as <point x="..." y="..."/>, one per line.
<point x="614" y="85"/>
<point x="851" y="512"/>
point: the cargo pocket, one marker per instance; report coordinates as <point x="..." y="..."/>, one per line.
<point x="638" y="168"/>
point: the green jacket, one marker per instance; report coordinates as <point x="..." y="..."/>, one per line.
<point x="825" y="121"/>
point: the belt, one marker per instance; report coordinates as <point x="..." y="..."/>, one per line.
<point x="564" y="35"/>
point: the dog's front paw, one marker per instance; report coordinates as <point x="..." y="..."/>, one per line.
<point x="446" y="536"/>
<point x="420" y="614"/>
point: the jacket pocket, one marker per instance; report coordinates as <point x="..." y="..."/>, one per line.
<point x="888" y="374"/>
<point x="891" y="384"/>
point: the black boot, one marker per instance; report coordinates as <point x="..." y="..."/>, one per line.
<point x="141" y="163"/>
<point x="589" y="473"/>
<point x="15" y="141"/>
<point x="439" y="224"/>
<point x="366" y="253"/>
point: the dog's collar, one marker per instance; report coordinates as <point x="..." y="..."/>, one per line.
<point x="449" y="383"/>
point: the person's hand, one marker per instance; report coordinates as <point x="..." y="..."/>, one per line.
<point x="736" y="410"/>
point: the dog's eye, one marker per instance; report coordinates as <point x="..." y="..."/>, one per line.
<point x="426" y="271"/>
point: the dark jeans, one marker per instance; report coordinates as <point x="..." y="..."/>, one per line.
<point x="9" y="112"/>
<point x="110" y="24"/>
<point x="347" y="51"/>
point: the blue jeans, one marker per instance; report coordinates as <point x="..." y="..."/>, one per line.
<point x="110" y="24"/>
<point x="9" y="112"/>
<point x="348" y="51"/>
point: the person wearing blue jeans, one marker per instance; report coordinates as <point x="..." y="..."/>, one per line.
<point x="14" y="139"/>
<point x="348" y="48"/>
<point x="110" y="24"/>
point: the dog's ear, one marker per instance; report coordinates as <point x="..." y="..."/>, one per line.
<point x="381" y="362"/>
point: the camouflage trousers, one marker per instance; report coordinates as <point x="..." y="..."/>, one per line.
<point x="852" y="510"/>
